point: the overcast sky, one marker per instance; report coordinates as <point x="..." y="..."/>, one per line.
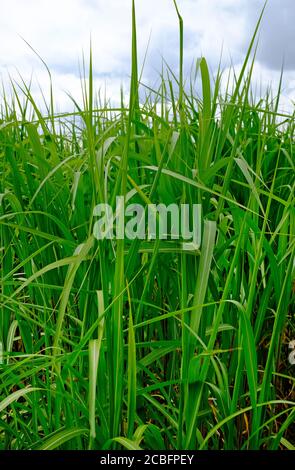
<point x="60" y="30"/>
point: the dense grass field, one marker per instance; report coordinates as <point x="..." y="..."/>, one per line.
<point x="140" y="344"/>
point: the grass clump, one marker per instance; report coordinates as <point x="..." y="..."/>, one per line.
<point x="139" y="344"/>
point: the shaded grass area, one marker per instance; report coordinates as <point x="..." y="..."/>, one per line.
<point x="111" y="343"/>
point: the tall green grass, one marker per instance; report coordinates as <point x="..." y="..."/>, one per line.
<point x="111" y="344"/>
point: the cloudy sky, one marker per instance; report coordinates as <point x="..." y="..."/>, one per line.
<point x="59" y="30"/>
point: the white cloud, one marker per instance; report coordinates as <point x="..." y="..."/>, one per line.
<point x="60" y="29"/>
